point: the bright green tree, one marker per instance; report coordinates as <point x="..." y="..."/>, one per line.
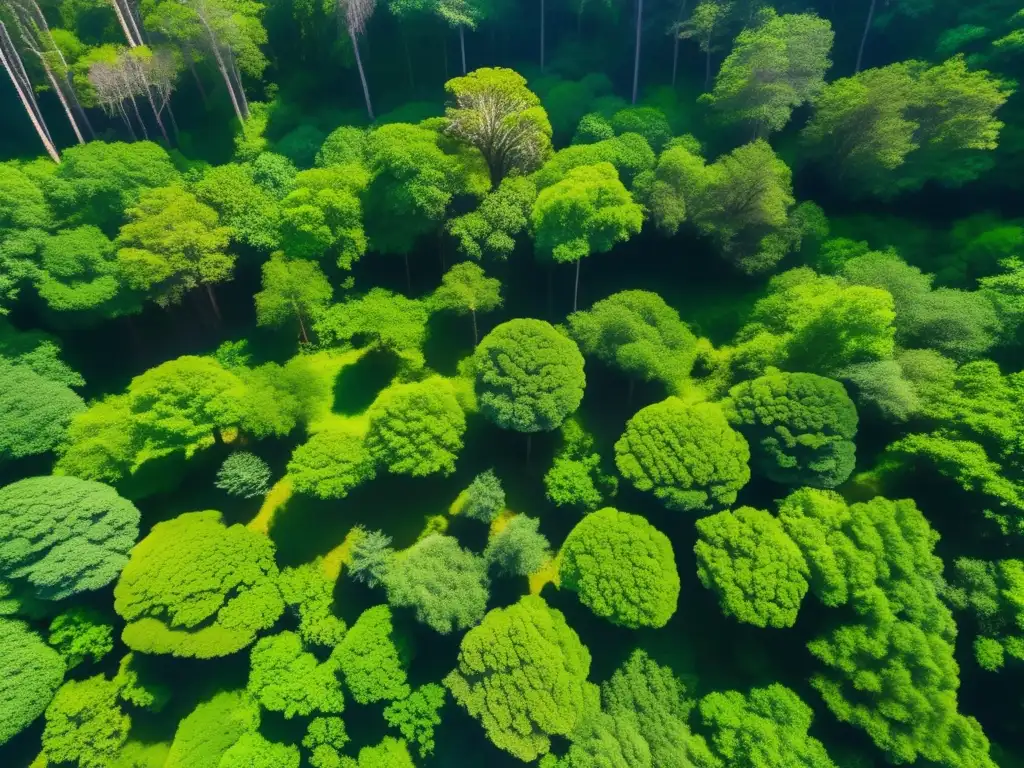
<point x="774" y="67"/>
<point x="325" y="738"/>
<point x="588" y="211"/>
<point x="485" y="497"/>
<point x="577" y="477"/>
<point x="213" y="727"/>
<point x="992" y="594"/>
<point x="416" y="428"/>
<point x="518" y="549"/>
<point x="687" y="455"/>
<point x="445" y="584"/>
<point x="138" y="683"/>
<point x="504" y="213"/>
<point x="373" y="656"/>
<point x="285" y="678"/>
<point x="765" y="729"/>
<point x="466" y="289"/>
<point x="35" y="412"/>
<point x="244" y="474"/>
<point x="522" y="673"/>
<point x="80" y="633"/>
<point x="84" y="724"/>
<point x="417" y="715"/>
<point x="308" y="591"/>
<point x="291" y="288"/>
<point x="629" y="153"/>
<point x="748" y="560"/>
<point x="30" y="673"/>
<point x="197" y="588"/>
<point x="78" y="272"/>
<point x="622" y="567"/>
<point x="371" y="553"/>
<point x="171" y="244"/>
<point x="330" y="464"/>
<point x="380" y="320"/>
<point x="800" y="426"/>
<point x="323" y="214"/>
<point x="638" y="333"/>
<point x="649" y="122"/>
<point x="492" y="109"/>
<point x="253" y="750"/>
<point x="344" y="145"/>
<point x="61" y="535"/>
<point x="529" y="377"/>
<point x="251" y="211"/>
<point x="390" y="753"/>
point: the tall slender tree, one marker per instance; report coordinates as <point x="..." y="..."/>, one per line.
<point x="636" y="54"/>
<point x="705" y="25"/>
<point x="12" y="64"/>
<point x="355" y="14"/>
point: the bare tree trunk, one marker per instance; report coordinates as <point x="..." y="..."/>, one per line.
<point x="864" y="37"/>
<point x="476" y="334"/>
<point x="63" y="102"/>
<point x="541" y="35"/>
<point x="174" y="125"/>
<point x="231" y="88"/>
<point x="195" y="76"/>
<point x="576" y="289"/>
<point x="302" y="325"/>
<point x="77" y="105"/>
<point x="675" y="59"/>
<point x="362" y="74"/>
<point x="132" y="20"/>
<point x="156" y="114"/>
<point x="33" y="115"/>
<point x="124" y="24"/>
<point x="127" y="122"/>
<point x="138" y="116"/>
<point x="213" y="301"/>
<point x="636" y="59"/>
<point x="462" y="45"/>
<point x="238" y="81"/>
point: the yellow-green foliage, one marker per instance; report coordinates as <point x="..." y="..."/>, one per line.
<point x="196" y="588"/>
<point x="687" y="455"/>
<point x="211" y="729"/>
<point x="84" y="724"/>
<point x="30" y="673"/>
<point x="285" y="678"/>
<point x="373" y="658"/>
<point x="622" y="567"/>
<point x="522" y="673"/>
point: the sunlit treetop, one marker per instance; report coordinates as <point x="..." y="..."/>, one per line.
<point x="491" y="229"/>
<point x="212" y="728"/>
<point x="373" y="656"/>
<point x="30" y="673"/>
<point x="285" y="678"/>
<point x="196" y="588"/>
<point x="378" y="319"/>
<point x="35" y="412"/>
<point x="322" y="214"/>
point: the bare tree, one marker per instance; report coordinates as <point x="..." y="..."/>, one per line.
<point x="33" y="32"/>
<point x="112" y="86"/>
<point x="152" y="74"/>
<point x="356" y="15"/>
<point x="12" y="63"/>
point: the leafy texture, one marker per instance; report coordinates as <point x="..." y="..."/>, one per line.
<point x="518" y="549"/>
<point x="30" y="673"/>
<point x="686" y="455"/>
<point x="622" y="567"/>
<point x="84" y="724"/>
<point x="211" y="729"/>
<point x="485" y="498"/>
<point x="373" y="658"/>
<point x="244" y="474"/>
<point x="80" y="633"/>
<point x="522" y="673"/>
<point x="330" y="464"/>
<point x="284" y="678"/>
<point x="35" y="412"/>
<point x="417" y="715"/>
<point x="196" y="588"/>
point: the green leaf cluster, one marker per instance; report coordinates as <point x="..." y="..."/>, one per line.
<point x="373" y="657"/>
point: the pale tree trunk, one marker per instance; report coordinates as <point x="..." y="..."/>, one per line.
<point x="213" y="301"/>
<point x="462" y="45"/>
<point x="362" y="74"/>
<point x="864" y="37"/>
<point x="138" y="116"/>
<point x="131" y="19"/>
<point x="127" y="122"/>
<point x="224" y="73"/>
<point x="302" y="325"/>
<point x="241" y="89"/>
<point x="63" y="102"/>
<point x="675" y="59"/>
<point x="30" y="106"/>
<point x="156" y="114"/>
<point x="636" y="59"/>
<point x="576" y="288"/>
<point x="476" y="333"/>
<point x="124" y="24"/>
<point x="541" y="35"/>
<point x="195" y="75"/>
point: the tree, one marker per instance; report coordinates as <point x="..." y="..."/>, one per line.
<point x="518" y="549"/>
<point x="622" y="567"/>
<point x="417" y="715"/>
<point x="390" y="753"/>
<point x="35" y="412"/>
<point x="759" y="574"/>
<point x="137" y="685"/>
<point x="629" y="153"/>
<point x="523" y="674"/>
<point x="445" y="584"/>
<point x="291" y="288"/>
<point x="212" y="728"/>
<point x="491" y="229"/>
<point x="284" y="678"/>
<point x="638" y="333"/>
<point x="357" y="15"/>
<point x="465" y="288"/>
<point x="529" y="377"/>
<point x="171" y="244"/>
<point x="81" y="633"/>
<point x="649" y="122"/>
<point x="308" y="591"/>
<point x="230" y="30"/>
<point x="251" y="211"/>
<point x="773" y="68"/>
<point x="651" y="694"/>
<point x="322" y="213"/>
<point x="492" y="109"/>
<point x="197" y="588"/>
<point x="345" y="145"/>
<point x="11" y="61"/>
<point x="894" y="128"/>
<point x="182" y="406"/>
<point x="30" y="673"/>
<point x="816" y="324"/>
<point x="577" y="477"/>
<point x="588" y="211"/>
<point x="325" y="738"/>
<point x="371" y="553"/>
<point x="768" y="727"/>
<point x="706" y="24"/>
<point x="416" y="428"/>
<point x="687" y="455"/>
<point x="485" y="498"/>
<point x="85" y="724"/>
<point x="330" y="464"/>
<point x="373" y="657"/>
<point x="990" y="592"/>
<point x="244" y="474"/>
<point x="62" y="536"/>
<point x="78" y="273"/>
<point x="253" y="750"/>
<point x="378" y="319"/>
<point x="801" y="427"/>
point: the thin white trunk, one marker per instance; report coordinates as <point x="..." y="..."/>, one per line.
<point x="636" y="58"/>
<point x="138" y="116"/>
<point x="44" y="135"/>
<point x="63" y="102"/>
<point x="124" y="24"/>
<point x="864" y="37"/>
<point x="241" y="88"/>
<point x="156" y="114"/>
<point x="222" y="67"/>
<point x="462" y="44"/>
<point x="362" y="74"/>
<point x="131" y="19"/>
<point x="127" y="121"/>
